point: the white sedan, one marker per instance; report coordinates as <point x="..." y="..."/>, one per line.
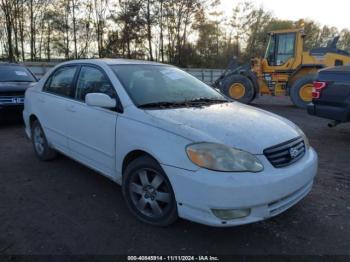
<point x="177" y="146"/>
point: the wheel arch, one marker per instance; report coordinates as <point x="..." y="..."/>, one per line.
<point x="134" y="154"/>
<point x="32" y="118"/>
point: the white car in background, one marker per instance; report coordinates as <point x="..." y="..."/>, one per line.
<point x="178" y="147"/>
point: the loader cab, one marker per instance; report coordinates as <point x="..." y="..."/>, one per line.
<point x="281" y="48"/>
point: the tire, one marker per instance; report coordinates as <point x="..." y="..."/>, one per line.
<point x="148" y="193"/>
<point x="41" y="147"/>
<point x="301" y="88"/>
<point x="233" y="86"/>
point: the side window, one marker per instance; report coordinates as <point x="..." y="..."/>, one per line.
<point x="61" y="83"/>
<point x="92" y="80"/>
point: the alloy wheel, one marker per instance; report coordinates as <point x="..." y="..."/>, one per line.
<point x="39" y="141"/>
<point x="150" y="193"/>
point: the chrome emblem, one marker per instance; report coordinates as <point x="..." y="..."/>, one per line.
<point x="293" y="152"/>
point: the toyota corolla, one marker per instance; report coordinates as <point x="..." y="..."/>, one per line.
<point x="176" y="146"/>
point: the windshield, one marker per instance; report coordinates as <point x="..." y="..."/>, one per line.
<point x="280" y="49"/>
<point x="150" y="84"/>
<point x="15" y="74"/>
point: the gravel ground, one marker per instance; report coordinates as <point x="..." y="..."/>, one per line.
<point x="61" y="207"/>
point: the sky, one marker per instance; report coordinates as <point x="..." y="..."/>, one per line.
<point x="332" y="13"/>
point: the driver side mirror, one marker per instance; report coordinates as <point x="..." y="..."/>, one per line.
<point x="100" y="100"/>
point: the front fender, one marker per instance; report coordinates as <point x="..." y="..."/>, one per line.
<point x="166" y="147"/>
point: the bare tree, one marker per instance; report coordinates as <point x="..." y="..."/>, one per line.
<point x="21" y="22"/>
<point x="100" y="7"/>
<point x="74" y="6"/>
<point x="161" y="25"/>
<point x="149" y="14"/>
<point x="7" y="7"/>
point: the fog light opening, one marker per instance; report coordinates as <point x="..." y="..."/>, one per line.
<point x="229" y="214"/>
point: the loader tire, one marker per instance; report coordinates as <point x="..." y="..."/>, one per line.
<point x="301" y="91"/>
<point x="239" y="88"/>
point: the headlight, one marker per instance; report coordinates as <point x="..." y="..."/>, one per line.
<point x="222" y="158"/>
<point x="306" y="140"/>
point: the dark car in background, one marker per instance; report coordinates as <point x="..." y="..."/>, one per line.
<point x="331" y="95"/>
<point x="14" y="80"/>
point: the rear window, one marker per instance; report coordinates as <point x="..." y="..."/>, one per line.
<point x="15" y="74"/>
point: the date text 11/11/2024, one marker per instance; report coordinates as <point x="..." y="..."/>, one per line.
<point x="173" y="258"/>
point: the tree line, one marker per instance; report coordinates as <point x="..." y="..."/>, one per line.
<point x="187" y="33"/>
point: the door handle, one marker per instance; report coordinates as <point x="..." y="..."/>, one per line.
<point x="71" y="109"/>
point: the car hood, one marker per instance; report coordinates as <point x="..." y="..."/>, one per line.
<point x="15" y="86"/>
<point x="233" y="124"/>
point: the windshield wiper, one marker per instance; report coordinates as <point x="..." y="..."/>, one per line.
<point x="206" y="100"/>
<point x="186" y="103"/>
<point x="162" y="104"/>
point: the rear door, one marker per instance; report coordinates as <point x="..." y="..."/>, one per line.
<point x="91" y="131"/>
<point x="52" y="105"/>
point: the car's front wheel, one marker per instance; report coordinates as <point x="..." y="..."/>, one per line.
<point x="41" y="147"/>
<point x="148" y="192"/>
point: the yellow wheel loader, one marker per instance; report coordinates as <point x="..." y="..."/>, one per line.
<point x="286" y="69"/>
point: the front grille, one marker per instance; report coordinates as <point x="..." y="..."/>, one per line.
<point x="286" y="153"/>
<point x="11" y="100"/>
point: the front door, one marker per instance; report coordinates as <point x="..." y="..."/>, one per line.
<point x="91" y="131"/>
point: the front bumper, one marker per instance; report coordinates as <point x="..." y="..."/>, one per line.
<point x="267" y="193"/>
<point x="26" y="123"/>
<point x="337" y="113"/>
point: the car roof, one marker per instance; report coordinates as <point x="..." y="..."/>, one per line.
<point x="110" y="61"/>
